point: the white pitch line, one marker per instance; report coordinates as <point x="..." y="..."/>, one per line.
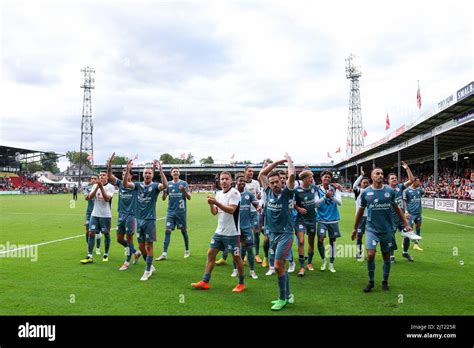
<point x="12" y="213"/>
<point x="54" y="241"/>
<point x="447" y="222"/>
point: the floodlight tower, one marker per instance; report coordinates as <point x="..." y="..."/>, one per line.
<point x="87" y="143"/>
<point x="355" y="129"/>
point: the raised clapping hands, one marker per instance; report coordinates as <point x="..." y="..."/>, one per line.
<point x="211" y="200"/>
<point x="129" y="165"/>
<point x="112" y="158"/>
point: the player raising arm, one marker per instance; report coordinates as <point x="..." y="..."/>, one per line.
<point x="279" y="223"/>
<point x="147" y="193"/>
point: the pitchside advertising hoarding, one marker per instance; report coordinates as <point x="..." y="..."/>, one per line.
<point x="445" y="204"/>
<point x="451" y="205"/>
<point x="466" y="207"/>
<point x="428" y="203"/>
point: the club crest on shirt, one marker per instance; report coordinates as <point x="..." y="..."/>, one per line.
<point x="386" y="195"/>
<point x="247" y="196"/>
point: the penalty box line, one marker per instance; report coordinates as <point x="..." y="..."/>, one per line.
<point x="54" y="241"/>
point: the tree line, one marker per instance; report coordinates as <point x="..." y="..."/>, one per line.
<point x="49" y="161"/>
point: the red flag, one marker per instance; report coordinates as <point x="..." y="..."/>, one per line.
<point x="418" y="97"/>
<point x="387" y="123"/>
<point x="338" y="149"/>
<point x="233" y="155"/>
<point x="365" y="133"/>
<point x="90" y="157"/>
<point x="136" y="157"/>
<point x="329" y="155"/>
<point x="183" y="155"/>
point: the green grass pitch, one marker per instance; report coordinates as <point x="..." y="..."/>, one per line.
<point x="439" y="282"/>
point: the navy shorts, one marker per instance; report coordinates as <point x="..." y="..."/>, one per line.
<point x="126" y="224"/>
<point x="415" y="219"/>
<point x="100" y="224"/>
<point x="176" y="221"/>
<point x="231" y="244"/>
<point x="332" y="230"/>
<point x="146" y="231"/>
<point x="305" y="227"/>
<point x="386" y="240"/>
<point x="246" y="237"/>
<point x="280" y="245"/>
<point x="255" y="219"/>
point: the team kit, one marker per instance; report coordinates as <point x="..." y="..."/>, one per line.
<point x="277" y="209"/>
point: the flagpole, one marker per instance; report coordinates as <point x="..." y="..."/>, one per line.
<point x="418" y="98"/>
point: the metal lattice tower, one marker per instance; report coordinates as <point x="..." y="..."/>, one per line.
<point x="355" y="129"/>
<point x="87" y="143"/>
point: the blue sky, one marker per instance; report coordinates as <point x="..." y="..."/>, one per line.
<point x="220" y="77"/>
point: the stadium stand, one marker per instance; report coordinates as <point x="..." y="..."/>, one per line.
<point x="438" y="146"/>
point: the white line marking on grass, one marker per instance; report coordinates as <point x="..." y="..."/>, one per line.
<point x="11" y="213"/>
<point x="54" y="241"/>
<point x="447" y="222"/>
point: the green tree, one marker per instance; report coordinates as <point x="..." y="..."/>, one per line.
<point x="120" y="160"/>
<point x="189" y="159"/>
<point x="49" y="162"/>
<point x="31" y="166"/>
<point x="208" y="160"/>
<point x="75" y="158"/>
<point x="166" y="158"/>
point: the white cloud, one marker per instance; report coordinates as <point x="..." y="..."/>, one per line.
<point x="215" y="78"/>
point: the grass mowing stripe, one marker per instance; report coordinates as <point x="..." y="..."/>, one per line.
<point x="54" y="241"/>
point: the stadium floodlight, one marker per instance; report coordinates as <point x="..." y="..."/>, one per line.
<point x="353" y="67"/>
<point x="87" y="143"/>
<point x="355" y="129"/>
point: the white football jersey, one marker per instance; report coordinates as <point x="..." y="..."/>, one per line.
<point x="253" y="187"/>
<point x="101" y="207"/>
<point x="228" y="224"/>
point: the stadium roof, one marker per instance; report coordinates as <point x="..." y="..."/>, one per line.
<point x="452" y="123"/>
<point x="14" y="151"/>
<point x="11" y="156"/>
